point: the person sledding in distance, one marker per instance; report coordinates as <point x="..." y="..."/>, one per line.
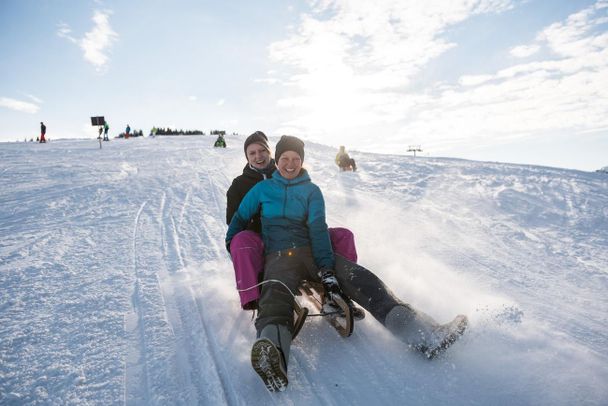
<point x="297" y="247"/>
<point x="344" y="161"/>
<point x="220" y="142"/>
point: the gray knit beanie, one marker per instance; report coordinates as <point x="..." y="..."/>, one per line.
<point x="289" y="143"/>
<point x="257" y="137"/>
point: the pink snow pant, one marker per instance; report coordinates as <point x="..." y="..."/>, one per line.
<point x="247" y="252"/>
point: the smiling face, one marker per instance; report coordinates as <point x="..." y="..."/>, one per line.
<point x="289" y="164"/>
<point x="257" y="156"/>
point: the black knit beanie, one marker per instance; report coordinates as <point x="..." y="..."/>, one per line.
<point x="289" y="143"/>
<point x="257" y="137"/>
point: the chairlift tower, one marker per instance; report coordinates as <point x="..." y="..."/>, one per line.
<point x="414" y="149"/>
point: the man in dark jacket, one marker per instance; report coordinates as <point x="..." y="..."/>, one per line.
<point x="42" y="132"/>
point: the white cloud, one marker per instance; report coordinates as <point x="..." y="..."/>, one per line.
<point x="268" y="81"/>
<point x="530" y="103"/>
<point x="381" y="44"/>
<point x="95" y="43"/>
<point x="574" y="37"/>
<point x="544" y="96"/>
<point x="35" y="99"/>
<point x="220" y="102"/>
<point x="474" y="80"/>
<point x="354" y="63"/>
<point x="523" y="51"/>
<point x="64" y="31"/>
<point x="351" y="59"/>
<point x="192" y="98"/>
<point x="18" y="105"/>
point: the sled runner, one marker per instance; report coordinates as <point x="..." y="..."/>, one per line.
<point x="340" y="313"/>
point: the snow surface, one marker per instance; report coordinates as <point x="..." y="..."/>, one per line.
<point x="115" y="286"/>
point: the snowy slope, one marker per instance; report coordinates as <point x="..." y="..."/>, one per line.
<point x="115" y="286"/>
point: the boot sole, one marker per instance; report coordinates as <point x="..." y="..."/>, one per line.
<point x="457" y="327"/>
<point x="266" y="360"/>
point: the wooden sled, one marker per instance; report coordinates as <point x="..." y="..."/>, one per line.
<point x="341" y="318"/>
<point x="346" y="168"/>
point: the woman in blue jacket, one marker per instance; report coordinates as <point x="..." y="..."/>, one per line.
<point x="297" y="247"/>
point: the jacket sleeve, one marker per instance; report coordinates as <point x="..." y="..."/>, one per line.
<point x="247" y="209"/>
<point x="319" y="235"/>
<point x="233" y="199"/>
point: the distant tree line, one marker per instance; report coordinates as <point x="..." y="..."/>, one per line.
<point x="169" y="131"/>
<point x="135" y="133"/>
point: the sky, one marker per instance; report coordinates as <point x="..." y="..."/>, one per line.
<point x="522" y="81"/>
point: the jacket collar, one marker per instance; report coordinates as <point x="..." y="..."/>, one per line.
<point x="301" y="178"/>
<point x="265" y="173"/>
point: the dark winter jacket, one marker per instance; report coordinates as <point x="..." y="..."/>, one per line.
<point x="292" y="216"/>
<point x="239" y="188"/>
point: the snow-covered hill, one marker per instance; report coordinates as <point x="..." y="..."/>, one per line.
<point x="115" y="286"/>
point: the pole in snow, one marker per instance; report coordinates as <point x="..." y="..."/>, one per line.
<point x="414" y="149"/>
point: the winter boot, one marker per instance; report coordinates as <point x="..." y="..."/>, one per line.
<point x="269" y="356"/>
<point x="421" y="332"/>
<point x="445" y="335"/>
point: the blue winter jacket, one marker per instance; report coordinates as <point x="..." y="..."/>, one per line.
<point x="292" y="214"/>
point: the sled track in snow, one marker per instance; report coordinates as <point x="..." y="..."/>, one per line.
<point x="214" y="347"/>
<point x="172" y="252"/>
<point x="156" y="371"/>
<point x="197" y="349"/>
<point x="136" y="371"/>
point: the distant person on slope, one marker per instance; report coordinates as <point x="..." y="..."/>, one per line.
<point x="344" y="161"/>
<point x="42" y="132"/>
<point x="220" y="142"/>
<point x="297" y="246"/>
<point x="106" y="127"/>
<point x="127" y="131"/>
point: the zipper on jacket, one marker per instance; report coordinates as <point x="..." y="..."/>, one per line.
<point x="285" y="199"/>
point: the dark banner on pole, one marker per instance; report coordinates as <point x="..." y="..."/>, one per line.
<point x="98" y="120"/>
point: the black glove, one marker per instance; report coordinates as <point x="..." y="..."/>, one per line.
<point x="330" y="283"/>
